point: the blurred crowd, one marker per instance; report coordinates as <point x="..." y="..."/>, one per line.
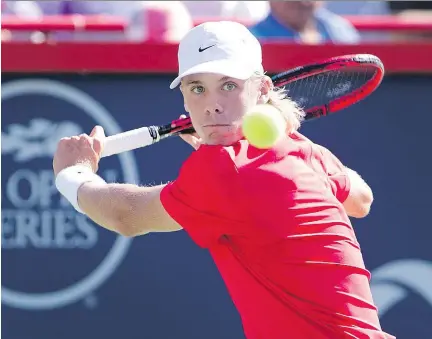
<point x="310" y="22"/>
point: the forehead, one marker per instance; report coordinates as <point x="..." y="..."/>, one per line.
<point x="207" y="78"/>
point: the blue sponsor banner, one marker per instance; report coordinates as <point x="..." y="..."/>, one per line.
<point x="64" y="277"/>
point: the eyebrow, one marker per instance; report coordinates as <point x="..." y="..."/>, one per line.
<point x="194" y="82"/>
<point x="198" y="82"/>
<point x="224" y="79"/>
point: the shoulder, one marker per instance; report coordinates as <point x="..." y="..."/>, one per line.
<point x="210" y="168"/>
<point x="329" y="17"/>
<point x="341" y="29"/>
<point x="258" y="29"/>
<point x="215" y="164"/>
<point x="277" y="169"/>
<point x="210" y="160"/>
<point x="269" y="28"/>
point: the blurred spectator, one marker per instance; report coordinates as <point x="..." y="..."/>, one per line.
<point x="305" y="22"/>
<point x="367" y="8"/>
<point x="147" y="20"/>
<point x="22" y="9"/>
<point x="358" y="7"/>
<point x="165" y="21"/>
<point x="247" y="11"/>
<point x="65" y="7"/>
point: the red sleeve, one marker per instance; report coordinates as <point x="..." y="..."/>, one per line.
<point x="336" y="172"/>
<point x="203" y="197"/>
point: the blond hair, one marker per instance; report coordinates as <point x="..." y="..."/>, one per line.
<point x="290" y="110"/>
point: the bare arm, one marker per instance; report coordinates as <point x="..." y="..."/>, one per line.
<point x="129" y="210"/>
<point x="360" y="197"/>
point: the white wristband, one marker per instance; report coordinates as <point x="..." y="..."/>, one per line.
<point x="70" y="179"/>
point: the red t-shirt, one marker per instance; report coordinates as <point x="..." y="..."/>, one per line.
<point x="275" y="226"/>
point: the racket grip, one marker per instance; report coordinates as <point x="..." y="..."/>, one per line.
<point x="130" y="140"/>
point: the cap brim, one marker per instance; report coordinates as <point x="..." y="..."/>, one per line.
<point x="228" y="68"/>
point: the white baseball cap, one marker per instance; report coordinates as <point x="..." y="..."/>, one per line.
<point x="223" y="47"/>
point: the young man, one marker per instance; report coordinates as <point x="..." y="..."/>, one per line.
<point x="275" y="221"/>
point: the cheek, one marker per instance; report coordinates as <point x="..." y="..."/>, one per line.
<point x="249" y="97"/>
<point x="195" y="109"/>
<point x="237" y="106"/>
<point x="192" y="104"/>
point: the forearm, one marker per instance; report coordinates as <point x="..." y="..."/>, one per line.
<point x="359" y="185"/>
<point x="360" y="198"/>
<point x="115" y="206"/>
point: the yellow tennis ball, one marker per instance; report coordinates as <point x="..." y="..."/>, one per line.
<point x="263" y="126"/>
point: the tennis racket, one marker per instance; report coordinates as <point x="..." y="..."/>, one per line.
<point x="320" y="89"/>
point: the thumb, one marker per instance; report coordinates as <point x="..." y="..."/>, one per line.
<point x="98" y="135"/>
<point x="97" y="132"/>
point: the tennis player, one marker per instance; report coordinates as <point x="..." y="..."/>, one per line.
<point x="276" y="221"/>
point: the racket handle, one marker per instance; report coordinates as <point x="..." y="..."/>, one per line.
<point x="144" y="136"/>
<point x="130" y="140"/>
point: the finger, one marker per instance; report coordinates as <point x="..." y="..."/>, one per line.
<point x="97" y="132"/>
<point x="194" y="134"/>
<point x="187" y="137"/>
<point x="191" y="140"/>
<point x="196" y="143"/>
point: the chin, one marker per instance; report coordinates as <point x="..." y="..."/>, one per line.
<point x="223" y="140"/>
<point x="224" y="136"/>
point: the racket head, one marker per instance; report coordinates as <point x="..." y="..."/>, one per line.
<point x="333" y="84"/>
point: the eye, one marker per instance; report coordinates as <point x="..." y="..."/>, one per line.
<point x="197" y="89"/>
<point x="229" y="86"/>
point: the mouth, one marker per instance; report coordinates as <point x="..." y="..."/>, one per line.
<point x="217" y="125"/>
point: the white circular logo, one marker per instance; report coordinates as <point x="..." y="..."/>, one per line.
<point x="81" y="100"/>
<point x="394" y="281"/>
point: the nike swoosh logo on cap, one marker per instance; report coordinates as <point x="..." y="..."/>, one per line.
<point x="203" y="49"/>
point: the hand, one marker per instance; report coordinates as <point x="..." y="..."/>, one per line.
<point x="192" y="139"/>
<point x="83" y="149"/>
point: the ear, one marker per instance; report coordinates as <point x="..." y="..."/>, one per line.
<point x="266" y="87"/>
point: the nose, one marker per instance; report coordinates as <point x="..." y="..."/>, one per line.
<point x="214" y="108"/>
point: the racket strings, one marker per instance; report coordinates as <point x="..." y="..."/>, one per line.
<point x="319" y="89"/>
